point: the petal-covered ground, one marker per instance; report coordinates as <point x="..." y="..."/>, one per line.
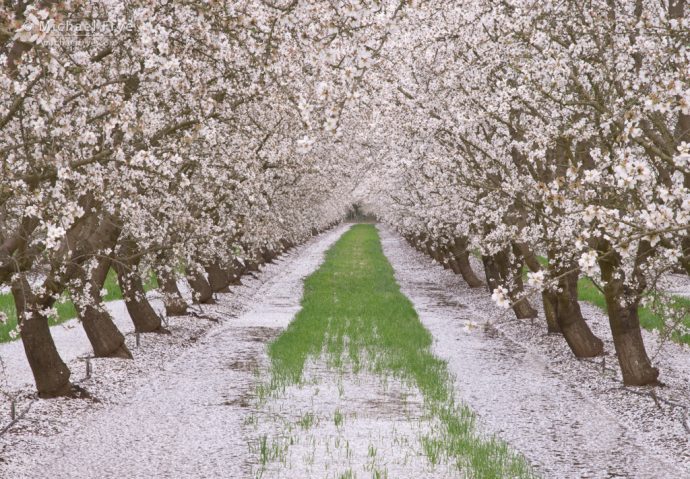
<point x="187" y="406"/>
<point x="182" y="412"/>
<point x="570" y="418"/>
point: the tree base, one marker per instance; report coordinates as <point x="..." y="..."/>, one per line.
<point x="66" y="390"/>
<point x="120" y="353"/>
<point x="176" y="310"/>
<point x="206" y="301"/>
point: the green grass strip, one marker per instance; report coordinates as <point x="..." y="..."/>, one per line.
<point x="65" y="307"/>
<point x="354" y="313"/>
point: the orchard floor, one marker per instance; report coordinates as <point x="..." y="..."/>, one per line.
<point x="187" y="406"/>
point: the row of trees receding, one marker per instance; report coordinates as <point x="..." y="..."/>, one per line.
<point x="551" y="137"/>
<point x="175" y="140"/>
<point x="547" y="136"/>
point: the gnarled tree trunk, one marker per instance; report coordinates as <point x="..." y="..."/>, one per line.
<point x="175" y="305"/>
<point x="461" y="258"/>
<point x="497" y="270"/>
<point x="267" y="255"/>
<point x="550" y="302"/>
<point x="252" y="265"/>
<point x="235" y="272"/>
<point x="635" y="365"/>
<point x="140" y="310"/>
<point x="583" y="343"/>
<point x="286" y="245"/>
<point x="685" y="259"/>
<point x="621" y="304"/>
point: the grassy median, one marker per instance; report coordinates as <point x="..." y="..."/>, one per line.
<point x="354" y="315"/>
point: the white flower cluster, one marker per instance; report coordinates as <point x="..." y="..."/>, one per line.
<point x="588" y="263"/>
<point x="36" y="27"/>
<point x="304" y="145"/>
<point x="536" y="279"/>
<point x="54" y="236"/>
<point x="500" y="297"/>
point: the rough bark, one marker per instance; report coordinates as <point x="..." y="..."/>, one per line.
<point x="107" y="341"/>
<point x="621" y="304"/>
<point x="497" y="269"/>
<point x="268" y="255"/>
<point x="453" y="265"/>
<point x="235" y="272"/>
<point x="627" y="338"/>
<point x="550" y="302"/>
<point x="218" y="278"/>
<point x="491" y="273"/>
<point x="203" y="293"/>
<point x="50" y="372"/>
<point x="583" y="343"/>
<point x="523" y="309"/>
<point x="252" y="265"/>
<point x="441" y="256"/>
<point x="462" y="258"/>
<point x="175" y="305"/>
<point x="140" y="310"/>
<point x="685" y="259"/>
<point x="286" y="245"/>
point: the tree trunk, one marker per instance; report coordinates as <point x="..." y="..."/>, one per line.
<point x="462" y="258"/>
<point x="621" y="305"/>
<point x="253" y="265"/>
<point x="202" y="291"/>
<point x="268" y="255"/>
<point x="523" y="309"/>
<point x="627" y="338"/>
<point x="550" y="301"/>
<point x="175" y="305"/>
<point x="685" y="259"/>
<point x="497" y="269"/>
<point x="453" y="265"/>
<point x="583" y="343"/>
<point x="218" y="278"/>
<point x="107" y="341"/>
<point x="528" y="255"/>
<point x="143" y="315"/>
<point x="235" y="272"/>
<point x="286" y="245"/>
<point x="50" y="372"/>
<point x="493" y="278"/>
<point x="441" y="257"/>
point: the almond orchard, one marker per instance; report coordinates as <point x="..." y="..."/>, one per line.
<point x="538" y="149"/>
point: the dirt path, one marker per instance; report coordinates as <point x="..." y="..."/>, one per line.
<point x="187" y="420"/>
<point x="563" y="423"/>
